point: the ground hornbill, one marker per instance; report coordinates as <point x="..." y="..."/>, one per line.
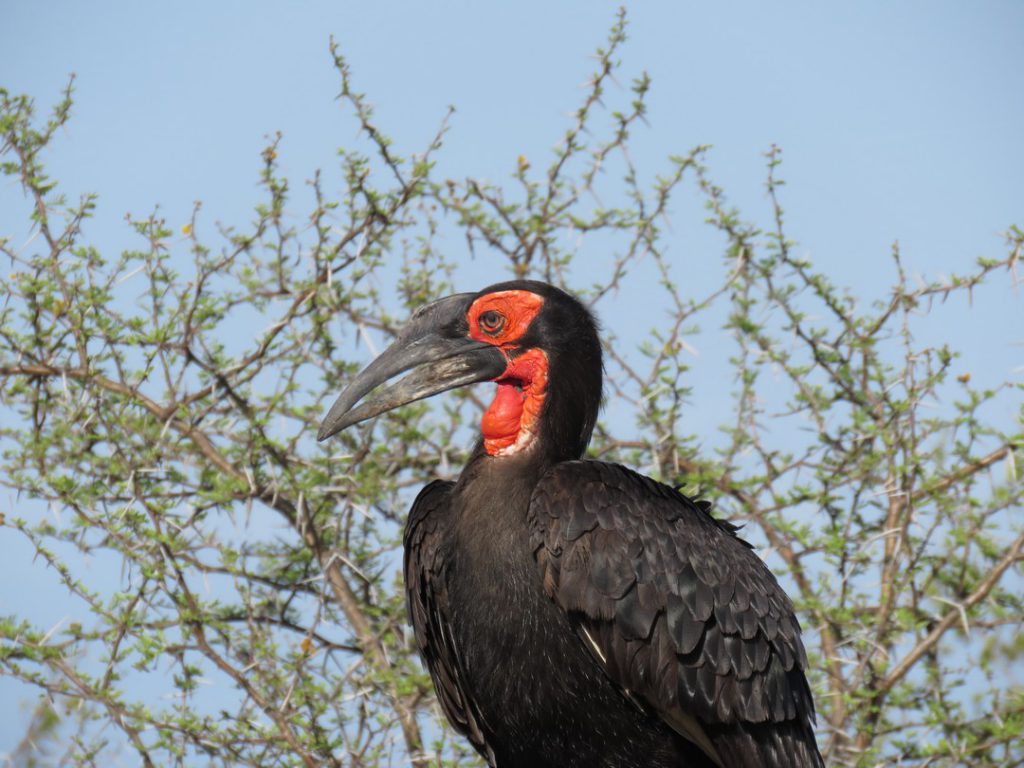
<point x="573" y="612"/>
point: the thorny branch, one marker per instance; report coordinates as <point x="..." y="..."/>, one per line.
<point x="144" y="420"/>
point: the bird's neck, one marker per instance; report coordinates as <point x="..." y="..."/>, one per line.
<point x="492" y="498"/>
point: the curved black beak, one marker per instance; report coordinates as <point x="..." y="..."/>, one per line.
<point x="436" y="344"/>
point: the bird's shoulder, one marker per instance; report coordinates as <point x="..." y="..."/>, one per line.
<point x="426" y="512"/>
<point x="621" y="498"/>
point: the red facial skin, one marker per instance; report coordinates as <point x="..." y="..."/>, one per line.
<point x="510" y="422"/>
<point x="517" y="307"/>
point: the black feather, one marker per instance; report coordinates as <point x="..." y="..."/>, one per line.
<point x="733" y="637"/>
<point x="574" y="613"/>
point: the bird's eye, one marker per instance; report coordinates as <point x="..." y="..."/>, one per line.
<point x="492" y="322"/>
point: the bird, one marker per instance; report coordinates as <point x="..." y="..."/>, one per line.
<point x="573" y="612"/>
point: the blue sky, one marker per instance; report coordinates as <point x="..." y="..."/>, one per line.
<point x="898" y="121"/>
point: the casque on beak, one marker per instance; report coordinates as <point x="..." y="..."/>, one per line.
<point x="434" y="343"/>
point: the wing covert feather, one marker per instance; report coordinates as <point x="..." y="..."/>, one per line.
<point x="679" y="610"/>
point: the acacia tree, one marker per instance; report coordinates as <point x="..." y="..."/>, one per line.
<point x="255" y="614"/>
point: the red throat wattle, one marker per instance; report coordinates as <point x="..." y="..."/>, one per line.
<point x="510" y="423"/>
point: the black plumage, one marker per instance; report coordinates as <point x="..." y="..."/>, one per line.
<point x="576" y="613"/>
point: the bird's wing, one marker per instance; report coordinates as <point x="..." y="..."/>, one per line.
<point x="678" y="610"/>
<point x="427" y="600"/>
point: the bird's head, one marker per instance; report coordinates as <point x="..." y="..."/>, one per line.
<point x="538" y="343"/>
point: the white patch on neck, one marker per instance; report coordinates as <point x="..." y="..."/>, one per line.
<point x="524" y="439"/>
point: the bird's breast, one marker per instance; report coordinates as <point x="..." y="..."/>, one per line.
<point x="530" y="677"/>
<point x="538" y="696"/>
